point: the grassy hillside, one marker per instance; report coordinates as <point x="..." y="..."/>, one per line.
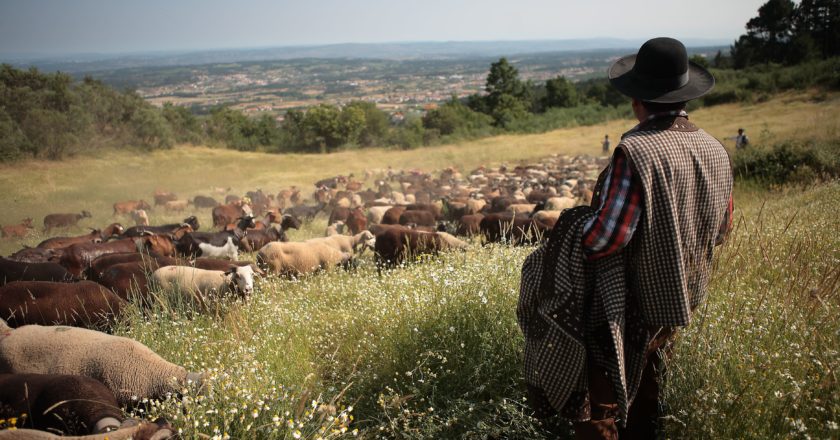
<point x="36" y="188"/>
<point x="432" y="350"/>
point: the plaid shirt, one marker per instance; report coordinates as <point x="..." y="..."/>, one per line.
<point x="621" y="207"/>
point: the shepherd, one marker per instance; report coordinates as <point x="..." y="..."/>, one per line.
<point x="601" y="301"/>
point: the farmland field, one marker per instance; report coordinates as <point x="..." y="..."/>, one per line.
<point x="432" y="350"/>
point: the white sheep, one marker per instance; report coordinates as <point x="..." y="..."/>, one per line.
<point x="229" y="250"/>
<point x="336" y="228"/>
<point x="521" y="208"/>
<point x="375" y="214"/>
<point x="348" y="244"/>
<point x="546" y="216"/>
<point x="299" y="258"/>
<point x="202" y="282"/>
<point x="474" y="206"/>
<point x="452" y="242"/>
<point x="128" y="368"/>
<point x="140" y="217"/>
<point x="559" y="203"/>
<point x="399" y="198"/>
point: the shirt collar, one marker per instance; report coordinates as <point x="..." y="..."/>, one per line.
<point x="680" y="113"/>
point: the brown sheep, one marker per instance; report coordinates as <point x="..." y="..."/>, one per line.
<point x="78" y="257"/>
<point x="125" y="208"/>
<point x="469" y="225"/>
<point x="161" y="197"/>
<point x="339" y="213"/>
<point x="71" y="405"/>
<point x="204" y="202"/>
<point x="395" y="244"/>
<point x="80" y="304"/>
<point x="516" y="229"/>
<point x="175" y="205"/>
<point x="36" y="255"/>
<point x="417" y="217"/>
<point x="224" y="214"/>
<point x="63" y="220"/>
<point x="95" y="236"/>
<point x="130" y="430"/>
<point x="11" y="270"/>
<point x="392" y="216"/>
<point x="128" y="368"/>
<point x="19" y="230"/>
<point x="356" y="221"/>
<point x="521" y="208"/>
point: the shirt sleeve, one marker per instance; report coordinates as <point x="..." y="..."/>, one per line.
<point x="619" y="211"/>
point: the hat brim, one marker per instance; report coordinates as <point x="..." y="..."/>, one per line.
<point x="700" y="82"/>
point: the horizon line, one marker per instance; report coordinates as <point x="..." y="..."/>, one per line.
<point x="46" y="55"/>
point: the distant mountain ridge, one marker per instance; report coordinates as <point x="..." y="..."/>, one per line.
<point x="396" y="51"/>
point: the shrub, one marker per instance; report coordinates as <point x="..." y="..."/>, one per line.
<point x="788" y="162"/>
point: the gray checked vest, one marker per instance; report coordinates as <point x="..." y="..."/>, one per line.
<point x="686" y="178"/>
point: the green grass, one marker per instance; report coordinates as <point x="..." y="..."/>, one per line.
<point x="432" y="350"/>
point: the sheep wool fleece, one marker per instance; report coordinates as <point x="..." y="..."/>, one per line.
<point x="130" y="369"/>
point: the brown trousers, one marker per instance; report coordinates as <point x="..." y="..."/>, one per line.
<point x="642" y="416"/>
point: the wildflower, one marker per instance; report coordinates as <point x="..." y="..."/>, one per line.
<point x="296" y="434"/>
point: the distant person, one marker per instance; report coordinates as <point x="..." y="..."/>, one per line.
<point x="606" y="143"/>
<point x="741" y="140"/>
<point x="616" y="280"/>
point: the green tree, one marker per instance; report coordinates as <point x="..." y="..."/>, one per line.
<point x="376" y="124"/>
<point x="507" y="96"/>
<point x="151" y="129"/>
<point x="819" y="21"/>
<point x="410" y="134"/>
<point x="351" y="124"/>
<point x="503" y="79"/>
<point x="508" y="109"/>
<point x="12" y="139"/>
<point x="453" y="116"/>
<point x="768" y="35"/>
<point x="560" y="92"/>
<point x="322" y="121"/>
<point x="185" y="126"/>
<point x="721" y="62"/>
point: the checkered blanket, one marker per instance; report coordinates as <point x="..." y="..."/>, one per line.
<point x="573" y="313"/>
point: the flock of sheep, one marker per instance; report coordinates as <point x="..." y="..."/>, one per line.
<point x="58" y="299"/>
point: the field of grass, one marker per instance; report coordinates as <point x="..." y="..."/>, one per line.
<point x="36" y="188"/>
<point x="432" y="350"/>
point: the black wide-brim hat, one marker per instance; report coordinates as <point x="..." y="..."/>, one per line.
<point x="661" y="72"/>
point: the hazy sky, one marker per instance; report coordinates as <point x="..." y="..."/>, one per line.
<point x="72" y="26"/>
